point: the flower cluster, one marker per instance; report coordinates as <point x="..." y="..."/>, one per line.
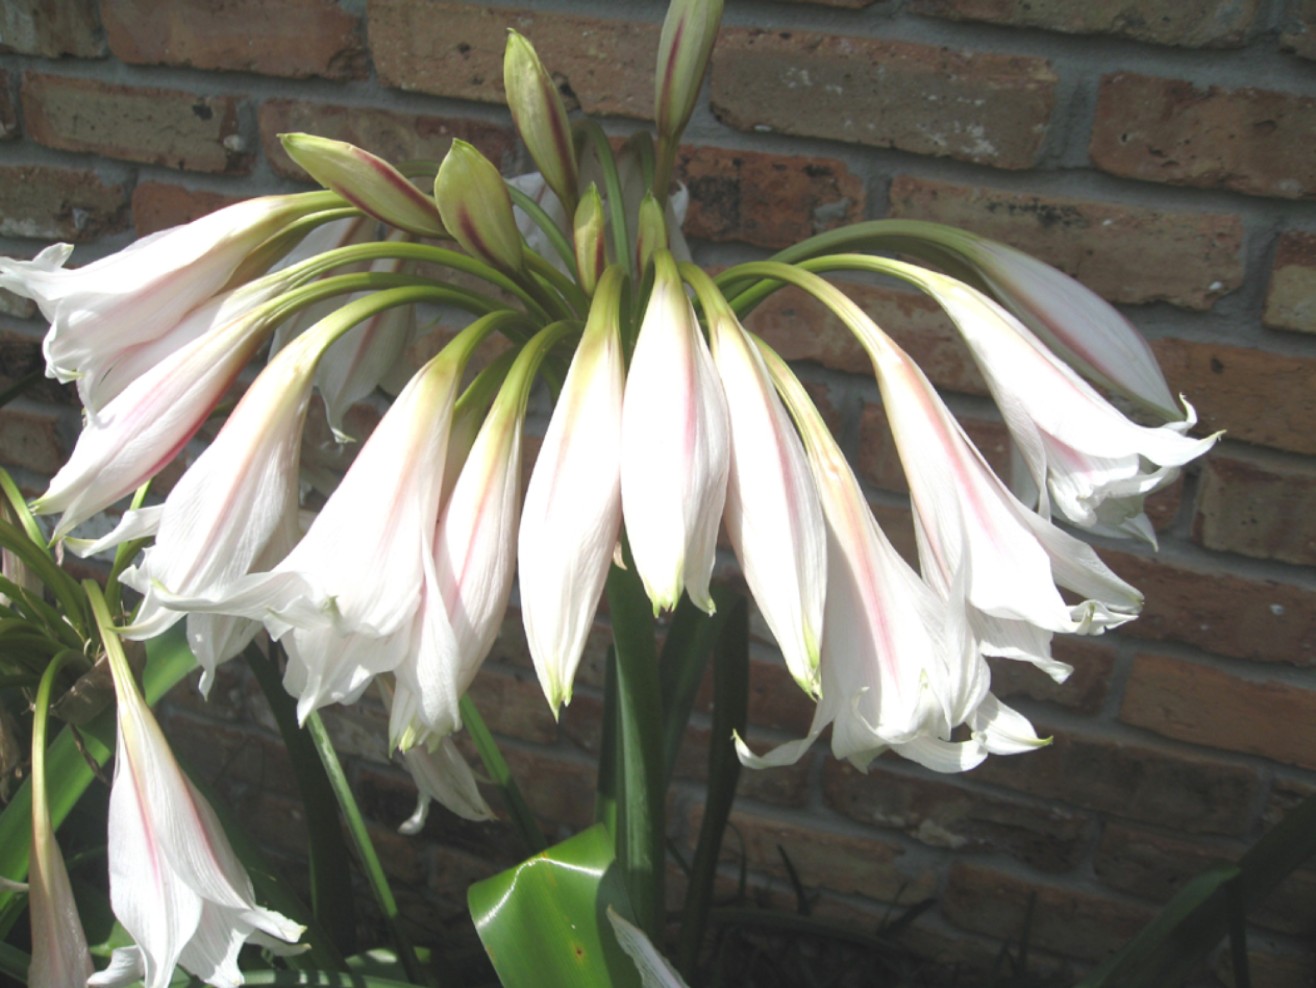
<point x="672" y="421"/>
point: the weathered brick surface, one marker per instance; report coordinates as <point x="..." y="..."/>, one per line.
<point x="160" y="205"/>
<point x="941" y="814"/>
<point x="59" y="204"/>
<point x="1259" y="397"/>
<point x="1186" y="23"/>
<point x="799" y="327"/>
<point x="1132" y="781"/>
<point x="787" y="786"/>
<point x="1291" y="294"/>
<point x="824" y="859"/>
<point x="20" y="308"/>
<point x="394" y="136"/>
<point x="1074" y="923"/>
<point x="1128" y="254"/>
<point x="1212" y="707"/>
<point x="189" y="131"/>
<point x="51" y="28"/>
<point x="456" y="49"/>
<point x="1084" y="691"/>
<point x="31" y="436"/>
<point x="1299" y="28"/>
<point x="1257" y="506"/>
<point x="976" y="106"/>
<point x="1169" y="130"/>
<point x="8" y="107"/>
<point x="763" y="199"/>
<point x="512" y="704"/>
<point x="1235" y="616"/>
<point x="292" y="38"/>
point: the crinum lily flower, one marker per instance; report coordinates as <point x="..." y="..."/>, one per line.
<point x="175" y="883"/>
<point x="674" y="448"/>
<point x="572" y="513"/>
<point x="141" y="293"/>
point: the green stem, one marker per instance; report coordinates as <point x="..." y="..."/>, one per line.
<point x="621" y="241"/>
<point x="356" y="826"/>
<point x="643" y="812"/>
<point x="545" y="223"/>
<point x="494" y="763"/>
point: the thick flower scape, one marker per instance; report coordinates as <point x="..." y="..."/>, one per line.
<point x="671" y="421"/>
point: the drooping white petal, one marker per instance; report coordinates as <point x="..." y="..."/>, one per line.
<point x="655" y="970"/>
<point x="572" y="512"/>
<point x="674" y="448"/>
<point x="773" y="515"/>
<point x="442" y="775"/>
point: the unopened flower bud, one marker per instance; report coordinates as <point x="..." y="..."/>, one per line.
<point x="476" y="207"/>
<point x="683" y="51"/>
<point x="651" y="233"/>
<point x="540" y="117"/>
<point x="366" y="181"/>
<point x="591" y="239"/>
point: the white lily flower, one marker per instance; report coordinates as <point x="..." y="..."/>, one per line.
<point x="175" y="883"/>
<point x="773" y="515"/>
<point x="102" y="310"/>
<point x="143" y="427"/>
<point x="900" y="667"/>
<point x="675" y="444"/>
<point x="1082" y="453"/>
<point x="572" y="513"/>
<point x="468" y="579"/>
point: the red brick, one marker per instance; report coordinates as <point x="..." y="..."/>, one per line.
<point x="767" y="200"/>
<point x="21" y="356"/>
<point x="392" y="135"/>
<point x="1168" y="130"/>
<point x="1185" y="23"/>
<point x="1258" y="506"/>
<point x="976" y="106"/>
<point x="800" y="328"/>
<point x="824" y="859"/>
<point x="30" y="439"/>
<point x="290" y="38"/>
<point x="1207" y="706"/>
<point x="1155" y="866"/>
<point x="1259" y="397"/>
<point x="51" y="28"/>
<point x="1084" y="691"/>
<point x="59" y="204"/>
<point x="786" y="786"/>
<point x="1299" y="35"/>
<point x="947" y="815"/>
<point x="513" y="705"/>
<point x="1131" y="781"/>
<point x="456" y="49"/>
<point x="8" y="108"/>
<point x="1127" y="254"/>
<point x="19" y="308"/>
<point x="1234" y="616"/>
<point x="1071" y="922"/>
<point x="853" y="4"/>
<point x="160" y="205"/>
<point x="153" y="126"/>
<point x="1291" y="295"/>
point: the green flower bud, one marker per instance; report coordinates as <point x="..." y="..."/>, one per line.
<point x="540" y="117"/>
<point x="591" y="239"/>
<point x="651" y="233"/>
<point x="683" y="51"/>
<point x="476" y="207"/>
<point x="366" y="181"/>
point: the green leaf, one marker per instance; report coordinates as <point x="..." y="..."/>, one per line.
<point x="544" y="923"/>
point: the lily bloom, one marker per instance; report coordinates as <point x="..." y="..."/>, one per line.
<point x="175" y="883"/>
<point x="900" y="668"/>
<point x="675" y="445"/>
<point x="773" y="515"/>
<point x="1083" y="454"/>
<point x="139" y="294"/>
<point x="572" y="513"/>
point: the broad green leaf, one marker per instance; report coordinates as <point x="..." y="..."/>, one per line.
<point x="544" y="923"/>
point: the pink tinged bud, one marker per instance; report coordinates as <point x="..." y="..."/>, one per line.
<point x="590" y="239"/>
<point x="366" y="181"/>
<point x="651" y="232"/>
<point x="572" y="514"/>
<point x="175" y="883"/>
<point x="684" y="47"/>
<point x="540" y="117"/>
<point x="773" y="515"/>
<point x="129" y="440"/>
<point x="675" y="446"/>
<point x="468" y="579"/>
<point x="130" y="298"/>
<point x="1083" y="455"/>
<point x="477" y="209"/>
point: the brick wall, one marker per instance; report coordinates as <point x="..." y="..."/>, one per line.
<point x="1160" y="151"/>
